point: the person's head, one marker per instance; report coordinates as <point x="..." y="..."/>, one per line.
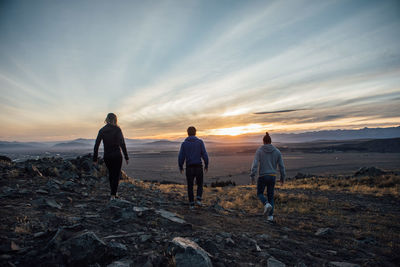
<point x="111" y="119"/>
<point x="191" y="131"/>
<point x="267" y="139"/>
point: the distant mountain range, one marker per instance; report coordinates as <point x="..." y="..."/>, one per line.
<point x="333" y="135"/>
<point x="365" y="133"/>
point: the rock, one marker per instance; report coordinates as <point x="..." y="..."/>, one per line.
<point x="210" y="247"/>
<point x="171" y="216"/>
<point x="369" y="171"/>
<point x="188" y="254"/>
<point x="323" y="231"/>
<point x="47" y="202"/>
<point x="121" y="263"/>
<point x="83" y="249"/>
<point x="42" y="191"/>
<point x="342" y="264"/>
<point x="272" y="262"/>
<point x="117" y="250"/>
<point x="229" y="242"/>
<point x="144" y="238"/>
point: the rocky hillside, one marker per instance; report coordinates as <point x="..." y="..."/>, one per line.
<point x="57" y="212"/>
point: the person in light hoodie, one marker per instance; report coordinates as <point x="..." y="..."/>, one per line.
<point x="266" y="161"/>
<point x="192" y="151"/>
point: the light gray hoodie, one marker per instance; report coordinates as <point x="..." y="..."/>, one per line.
<point x="268" y="157"/>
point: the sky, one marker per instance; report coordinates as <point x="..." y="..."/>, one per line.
<point x="226" y="67"/>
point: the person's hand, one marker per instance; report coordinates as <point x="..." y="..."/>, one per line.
<point x="127" y="161"/>
<point x="205" y="169"/>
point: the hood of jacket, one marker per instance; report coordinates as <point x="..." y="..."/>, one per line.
<point x="191" y="139"/>
<point x="269" y="148"/>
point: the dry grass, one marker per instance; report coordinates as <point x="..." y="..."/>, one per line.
<point x="377" y="186"/>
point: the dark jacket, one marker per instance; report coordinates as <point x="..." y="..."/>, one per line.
<point x="266" y="161"/>
<point x="192" y="150"/>
<point x="113" y="142"/>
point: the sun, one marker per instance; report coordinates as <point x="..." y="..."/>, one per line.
<point x="238" y="130"/>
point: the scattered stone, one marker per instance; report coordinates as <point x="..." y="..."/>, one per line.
<point x="188" y="254"/>
<point x="171" y="216"/>
<point x="117" y="250"/>
<point x="144" y="238"/>
<point x="272" y="262"/>
<point x="39" y="234"/>
<point x="83" y="249"/>
<point x="323" y="231"/>
<point x="42" y="191"/>
<point x="342" y="264"/>
<point x="229" y="242"/>
<point x="46" y="202"/>
<point x="121" y="263"/>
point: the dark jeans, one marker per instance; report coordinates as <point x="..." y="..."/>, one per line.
<point x="193" y="172"/>
<point x="114" y="172"/>
<point x="269" y="182"/>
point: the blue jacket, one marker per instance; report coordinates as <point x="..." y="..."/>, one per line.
<point x="266" y="161"/>
<point x="192" y="150"/>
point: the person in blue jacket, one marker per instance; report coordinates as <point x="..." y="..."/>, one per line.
<point x="192" y="151"/>
<point x="266" y="161"/>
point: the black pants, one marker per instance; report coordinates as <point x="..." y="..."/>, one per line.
<point x="114" y="165"/>
<point x="193" y="172"/>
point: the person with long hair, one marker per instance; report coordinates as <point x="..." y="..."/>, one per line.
<point x="266" y="161"/>
<point x="113" y="141"/>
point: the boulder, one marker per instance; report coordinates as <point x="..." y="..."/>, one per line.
<point x="188" y="254"/>
<point x="83" y="249"/>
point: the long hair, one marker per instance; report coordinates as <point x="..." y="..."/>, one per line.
<point x="267" y="138"/>
<point x="111" y="119"/>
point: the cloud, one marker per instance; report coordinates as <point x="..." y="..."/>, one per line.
<point x="277" y="111"/>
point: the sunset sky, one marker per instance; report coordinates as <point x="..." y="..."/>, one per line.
<point x="227" y="67"/>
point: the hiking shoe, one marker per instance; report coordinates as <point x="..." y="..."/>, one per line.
<point x="270" y="218"/>
<point x="198" y="203"/>
<point x="267" y="208"/>
<point x="112" y="198"/>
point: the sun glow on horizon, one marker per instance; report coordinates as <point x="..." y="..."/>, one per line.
<point x="238" y="130"/>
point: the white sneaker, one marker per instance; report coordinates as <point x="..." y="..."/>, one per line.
<point x="270" y="218"/>
<point x="267" y="208"/>
<point x="198" y="203"/>
<point x="112" y="198"/>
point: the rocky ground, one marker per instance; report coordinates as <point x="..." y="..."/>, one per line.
<point x="57" y="212"/>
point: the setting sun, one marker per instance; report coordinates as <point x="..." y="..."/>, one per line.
<point x="238" y="130"/>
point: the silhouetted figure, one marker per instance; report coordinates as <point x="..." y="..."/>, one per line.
<point x="192" y="151"/>
<point x="113" y="141"/>
<point x="265" y="162"/>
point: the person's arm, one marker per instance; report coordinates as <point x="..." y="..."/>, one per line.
<point x="181" y="158"/>
<point x="281" y="168"/>
<point x="123" y="146"/>
<point x="254" y="167"/>
<point x="204" y="155"/>
<point x="96" y="146"/>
